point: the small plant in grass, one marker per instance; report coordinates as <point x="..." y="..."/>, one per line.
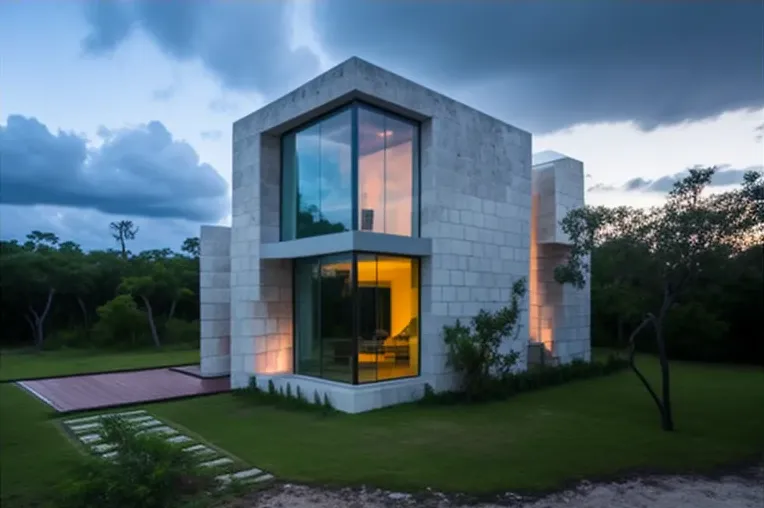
<point x="473" y="351"/>
<point x="285" y="399"/>
<point x="147" y="472"/>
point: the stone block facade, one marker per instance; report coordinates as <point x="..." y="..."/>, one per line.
<point x="559" y="314"/>
<point x="475" y="192"/>
<point x="215" y="300"/>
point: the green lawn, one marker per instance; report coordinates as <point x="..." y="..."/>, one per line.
<point x="534" y="441"/>
<point x="34" y="454"/>
<point x="29" y="365"/>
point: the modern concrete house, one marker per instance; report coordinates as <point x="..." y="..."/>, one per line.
<point x="368" y="212"/>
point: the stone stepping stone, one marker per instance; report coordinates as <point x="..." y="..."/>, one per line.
<point x="90" y="438"/>
<point x="101" y="448"/>
<point x="128" y="413"/>
<point x="140" y="419"/>
<point x="217" y="462"/>
<point x="264" y="478"/>
<point x="241" y="475"/>
<point x="79" y="421"/>
<point x="87" y="419"/>
<point x="159" y="430"/>
<point x="151" y="422"/>
<point x="85" y="427"/>
<point x="179" y="439"/>
<point x="109" y="455"/>
<point x="199" y="449"/>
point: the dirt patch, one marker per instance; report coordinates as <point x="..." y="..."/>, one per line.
<point x="739" y="491"/>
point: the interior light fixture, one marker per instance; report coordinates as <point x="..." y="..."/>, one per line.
<point x="384" y="134"/>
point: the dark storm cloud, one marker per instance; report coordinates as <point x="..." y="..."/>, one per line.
<point x="549" y="65"/>
<point x="110" y="24"/>
<point x="723" y="177"/>
<point x="140" y="171"/>
<point x="245" y="44"/>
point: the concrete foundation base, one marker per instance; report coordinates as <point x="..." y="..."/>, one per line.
<point x="349" y="398"/>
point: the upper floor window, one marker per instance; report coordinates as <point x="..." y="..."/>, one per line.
<point x="356" y="169"/>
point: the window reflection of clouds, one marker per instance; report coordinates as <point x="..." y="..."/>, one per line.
<point x="324" y="169"/>
<point x="386" y="167"/>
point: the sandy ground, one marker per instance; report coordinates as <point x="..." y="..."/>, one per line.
<point x="650" y="492"/>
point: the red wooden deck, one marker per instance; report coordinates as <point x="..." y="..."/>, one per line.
<point x="94" y="391"/>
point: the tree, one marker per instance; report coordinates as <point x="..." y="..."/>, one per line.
<point x="31" y="279"/>
<point x="122" y="231"/>
<point x="145" y="288"/>
<point x="683" y="237"/>
<point x="77" y="276"/>
<point x="37" y="240"/>
<point x="160" y="280"/>
<point x="191" y="247"/>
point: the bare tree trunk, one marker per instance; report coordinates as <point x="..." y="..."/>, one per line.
<point x="122" y="244"/>
<point x="150" y="312"/>
<point x="172" y="309"/>
<point x="667" y="418"/>
<point x="39" y="319"/>
<point x="632" y="351"/>
<point x="664" y="402"/>
<point x="84" y="313"/>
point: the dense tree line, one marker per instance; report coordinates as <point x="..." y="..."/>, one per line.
<point x="683" y="279"/>
<point x="54" y="294"/>
<point x="717" y="319"/>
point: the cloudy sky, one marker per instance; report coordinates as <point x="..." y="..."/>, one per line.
<point x="114" y="110"/>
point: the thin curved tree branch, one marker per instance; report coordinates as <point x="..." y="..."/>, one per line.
<point x="649" y="318"/>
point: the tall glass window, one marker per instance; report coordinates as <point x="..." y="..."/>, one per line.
<point x="355" y="169"/>
<point x="357" y="317"/>
<point x="386" y="173"/>
<point x="316" y="181"/>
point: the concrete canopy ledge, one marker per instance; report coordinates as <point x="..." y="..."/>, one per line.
<point x="361" y="241"/>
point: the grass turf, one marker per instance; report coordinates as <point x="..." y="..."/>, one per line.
<point x="31" y="364"/>
<point x="535" y="441"/>
<point x="35" y="455"/>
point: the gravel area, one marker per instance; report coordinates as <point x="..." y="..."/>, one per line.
<point x="745" y="491"/>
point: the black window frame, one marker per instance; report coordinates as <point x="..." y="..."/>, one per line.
<point x="355" y="326"/>
<point x="354" y="106"/>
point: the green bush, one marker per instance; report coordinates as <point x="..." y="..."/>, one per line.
<point x="74" y="338"/>
<point x="473" y="351"/>
<point x="121" y="324"/>
<point x="177" y="331"/>
<point x="529" y="380"/>
<point x="148" y="472"/>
